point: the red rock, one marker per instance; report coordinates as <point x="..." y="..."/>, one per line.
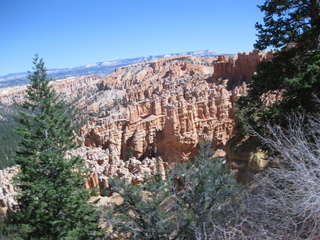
<point x="171" y="104"/>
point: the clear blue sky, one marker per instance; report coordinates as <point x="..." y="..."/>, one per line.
<point x="69" y="33"/>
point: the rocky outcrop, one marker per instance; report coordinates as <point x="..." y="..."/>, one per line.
<point x="167" y="67"/>
<point x="74" y="87"/>
<point x="70" y="88"/>
<point x="238" y="69"/>
<point x="133" y="170"/>
<point x="7" y="191"/>
<point x="170" y="105"/>
<point x="11" y="95"/>
<point x="158" y="111"/>
<point x="245" y="155"/>
<point x="101" y="168"/>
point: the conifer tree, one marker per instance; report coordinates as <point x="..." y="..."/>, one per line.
<point x="52" y="200"/>
<point x="202" y="193"/>
<point x="186" y="204"/>
<point x="293" y="28"/>
<point x="146" y="211"/>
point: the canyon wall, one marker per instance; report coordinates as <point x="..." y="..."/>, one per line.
<point x="70" y="88"/>
<point x="11" y="95"/>
<point x="170" y="105"/>
<point x="154" y="113"/>
<point x="238" y="69"/>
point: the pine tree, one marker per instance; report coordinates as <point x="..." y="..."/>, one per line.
<point x="289" y="22"/>
<point x="146" y="211"/>
<point x="185" y="205"/>
<point x="203" y="190"/>
<point x="293" y="28"/>
<point x="53" y="203"/>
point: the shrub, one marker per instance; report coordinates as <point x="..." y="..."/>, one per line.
<point x="185" y="204"/>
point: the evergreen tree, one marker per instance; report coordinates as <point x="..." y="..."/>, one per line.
<point x="8" y="138"/>
<point x="293" y="28"/>
<point x="287" y="22"/>
<point x="203" y="191"/>
<point x="184" y="205"/>
<point x="53" y="203"/>
<point x="146" y="211"/>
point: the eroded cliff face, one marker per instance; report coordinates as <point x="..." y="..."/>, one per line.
<point x="11" y="95"/>
<point x="170" y="105"/>
<point x="70" y="88"/>
<point x="154" y="113"/>
<point x="238" y="69"/>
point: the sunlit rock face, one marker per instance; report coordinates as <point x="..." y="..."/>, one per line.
<point x="161" y="110"/>
<point x="7" y="190"/>
<point x="70" y="88"/>
<point x="170" y="105"/>
<point x="238" y="69"/>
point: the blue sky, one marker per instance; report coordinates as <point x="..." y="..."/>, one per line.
<point x="69" y="33"/>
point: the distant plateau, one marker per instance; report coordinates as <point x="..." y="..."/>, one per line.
<point x="100" y="68"/>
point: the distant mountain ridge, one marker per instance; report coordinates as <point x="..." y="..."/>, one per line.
<point x="99" y="68"/>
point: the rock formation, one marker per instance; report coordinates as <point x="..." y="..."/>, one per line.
<point x="154" y="113"/>
<point x="170" y="105"/>
<point x="7" y="191"/>
<point x="11" y="95"/>
<point x="70" y="88"/>
<point x="239" y="69"/>
<point x="244" y="155"/>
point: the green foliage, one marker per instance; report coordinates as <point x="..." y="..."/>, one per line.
<point x="7" y="231"/>
<point x="190" y="200"/>
<point x="53" y="203"/>
<point x="8" y="138"/>
<point x="293" y="73"/>
<point x="206" y="187"/>
<point x="287" y="22"/>
<point x="146" y="209"/>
